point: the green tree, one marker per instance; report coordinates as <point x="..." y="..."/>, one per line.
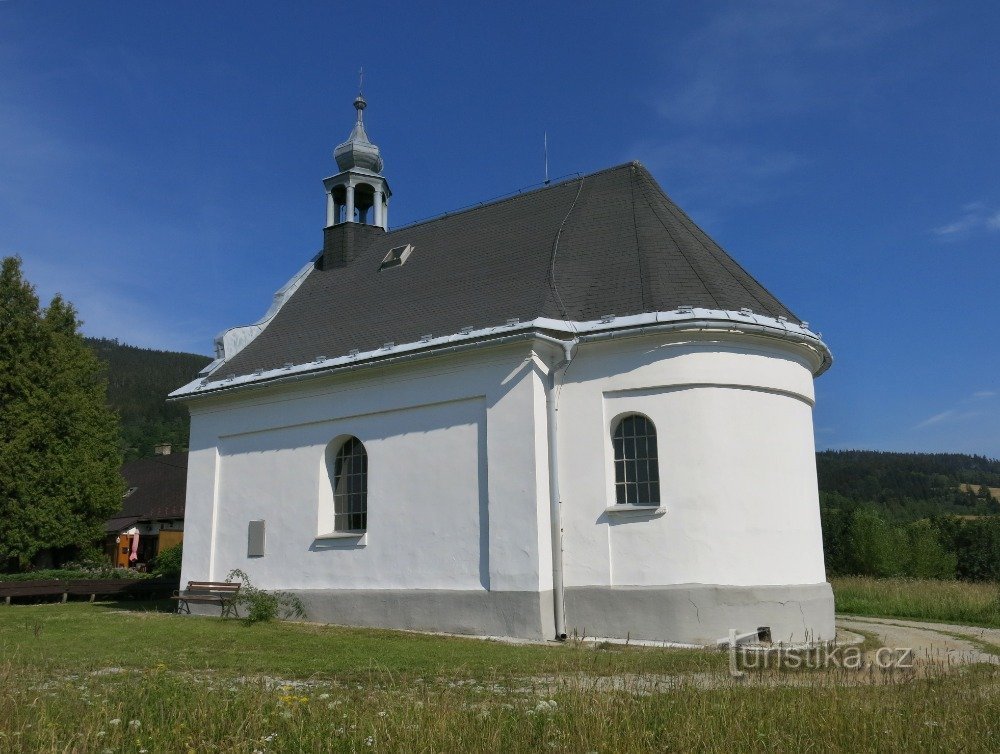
<point x="927" y="557"/>
<point x="878" y="548"/>
<point x="59" y="453"/>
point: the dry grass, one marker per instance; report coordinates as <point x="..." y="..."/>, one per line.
<point x="82" y="678"/>
<point x="159" y="710"/>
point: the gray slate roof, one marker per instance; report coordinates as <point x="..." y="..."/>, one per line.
<point x="624" y="248"/>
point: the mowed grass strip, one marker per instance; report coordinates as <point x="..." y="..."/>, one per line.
<point x="974" y="604"/>
<point x="85" y="637"/>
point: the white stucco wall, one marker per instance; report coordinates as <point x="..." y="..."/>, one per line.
<point x="736" y="463"/>
<point x="736" y="459"/>
<point x="438" y="518"/>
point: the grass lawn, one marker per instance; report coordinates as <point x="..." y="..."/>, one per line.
<point x="96" y="678"/>
<point x="91" y="637"/>
<point x="920" y="599"/>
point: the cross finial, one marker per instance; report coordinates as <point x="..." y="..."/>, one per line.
<point x="359" y="102"/>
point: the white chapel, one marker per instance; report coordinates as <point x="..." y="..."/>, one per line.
<point x="565" y="411"/>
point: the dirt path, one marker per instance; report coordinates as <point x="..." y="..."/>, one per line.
<point x="934" y="642"/>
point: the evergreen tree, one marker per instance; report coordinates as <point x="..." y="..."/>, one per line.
<point x="59" y="454"/>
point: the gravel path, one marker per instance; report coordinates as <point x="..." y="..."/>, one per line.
<point x="929" y="641"/>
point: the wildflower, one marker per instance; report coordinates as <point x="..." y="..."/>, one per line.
<point x="382" y="713"/>
<point x="324" y="696"/>
<point x="134" y="724"/>
<point x="370" y="741"/>
<point x="101" y="734"/>
<point x="286" y="714"/>
<point x="115" y="721"/>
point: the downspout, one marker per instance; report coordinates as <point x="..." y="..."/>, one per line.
<point x="555" y="502"/>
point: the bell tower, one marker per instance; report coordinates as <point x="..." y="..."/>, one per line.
<point x="358" y="193"/>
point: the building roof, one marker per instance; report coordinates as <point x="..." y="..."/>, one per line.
<point x="607" y="243"/>
<point x="156" y="491"/>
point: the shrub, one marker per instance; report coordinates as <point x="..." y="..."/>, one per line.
<point x="878" y="548"/>
<point x="927" y="557"/>
<point x="167" y="564"/>
<point x="75" y="571"/>
<point x="258" y="605"/>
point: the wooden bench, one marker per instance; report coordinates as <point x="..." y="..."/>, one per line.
<point x="34" y="588"/>
<point x="64" y="588"/>
<point x="221" y="593"/>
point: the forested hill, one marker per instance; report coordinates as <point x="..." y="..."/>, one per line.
<point x="908" y="486"/>
<point x="139" y="380"/>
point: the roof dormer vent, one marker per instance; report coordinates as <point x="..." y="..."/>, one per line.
<point x="396" y="256"/>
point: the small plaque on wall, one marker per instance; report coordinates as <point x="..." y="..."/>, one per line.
<point x="255" y="539"/>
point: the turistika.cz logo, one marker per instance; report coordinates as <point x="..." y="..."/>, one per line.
<point x="743" y="659"/>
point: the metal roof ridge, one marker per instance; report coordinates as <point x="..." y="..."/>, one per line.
<point x="533" y="188"/>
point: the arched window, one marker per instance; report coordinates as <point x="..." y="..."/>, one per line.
<point x="350" y="486"/>
<point x="637" y="474"/>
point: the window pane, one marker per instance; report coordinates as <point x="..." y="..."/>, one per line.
<point x="643" y="494"/>
<point x="631" y="495"/>
<point x="625" y="426"/>
<point x="619" y="471"/>
<point x="620" y="494"/>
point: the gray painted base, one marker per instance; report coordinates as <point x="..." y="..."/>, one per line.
<point x="701" y="613"/>
<point x="686" y="613"/>
<point x="526" y="615"/>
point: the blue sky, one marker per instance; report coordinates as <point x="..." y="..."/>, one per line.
<point x="161" y="164"/>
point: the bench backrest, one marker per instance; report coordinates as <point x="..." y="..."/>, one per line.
<point x="214" y="587"/>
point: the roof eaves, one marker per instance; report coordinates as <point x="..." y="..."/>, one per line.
<point x="744" y="320"/>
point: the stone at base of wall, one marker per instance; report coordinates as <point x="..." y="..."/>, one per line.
<point x="702" y="613"/>
<point x="685" y="613"/>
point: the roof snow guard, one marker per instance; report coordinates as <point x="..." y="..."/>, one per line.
<point x="554" y="260"/>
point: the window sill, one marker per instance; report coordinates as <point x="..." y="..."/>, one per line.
<point x="649" y="510"/>
<point x="359" y="535"/>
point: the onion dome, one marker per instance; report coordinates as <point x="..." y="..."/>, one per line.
<point x="358" y="151"/>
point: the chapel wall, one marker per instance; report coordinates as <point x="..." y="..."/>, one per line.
<point x="736" y="463"/>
